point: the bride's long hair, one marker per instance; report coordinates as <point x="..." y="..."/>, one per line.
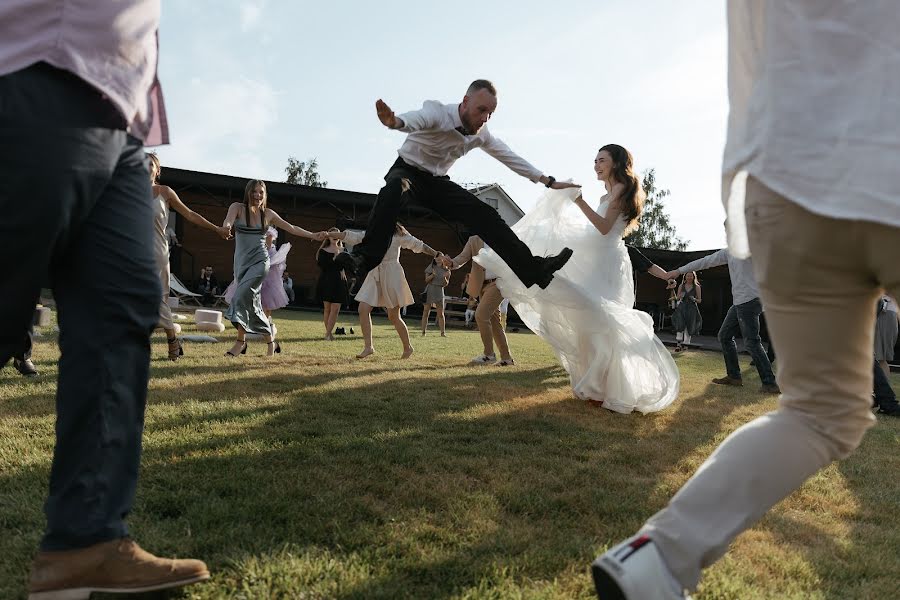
<point x="632" y="199"/>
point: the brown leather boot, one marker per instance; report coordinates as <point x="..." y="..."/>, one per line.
<point x="118" y="567"/>
<point x="728" y="381"/>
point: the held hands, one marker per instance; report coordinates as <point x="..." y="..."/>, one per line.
<point x="334" y="235"/>
<point x="385" y="114"/>
<point x="224" y="232"/>
<point x="319" y="236"/>
<point x="445" y="261"/>
<point x="561" y="185"/>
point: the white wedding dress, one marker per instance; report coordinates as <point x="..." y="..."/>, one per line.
<point x="609" y="349"/>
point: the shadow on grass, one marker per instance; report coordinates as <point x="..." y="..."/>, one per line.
<point x="433" y="483"/>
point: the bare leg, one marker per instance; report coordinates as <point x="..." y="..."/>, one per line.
<point x="239" y="343"/>
<point x="402" y="331"/>
<point x="365" y="323"/>
<point x="426" y="312"/>
<point x="326" y="319"/>
<point x="442" y="322"/>
<point x="332" y="318"/>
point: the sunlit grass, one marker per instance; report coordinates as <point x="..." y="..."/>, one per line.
<point x="314" y="475"/>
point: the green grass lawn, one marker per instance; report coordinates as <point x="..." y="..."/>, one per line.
<point x="314" y="475"/>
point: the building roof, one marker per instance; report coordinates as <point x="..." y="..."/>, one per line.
<point x="482" y="188"/>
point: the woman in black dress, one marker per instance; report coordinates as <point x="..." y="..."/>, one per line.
<point x="686" y="319"/>
<point x="331" y="289"/>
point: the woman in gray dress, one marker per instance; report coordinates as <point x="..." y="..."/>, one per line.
<point x="164" y="199"/>
<point x="250" y="220"/>
<point x="686" y="319"/>
<point x="436" y="279"/>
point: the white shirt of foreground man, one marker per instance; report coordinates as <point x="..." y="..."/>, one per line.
<point x="780" y="134"/>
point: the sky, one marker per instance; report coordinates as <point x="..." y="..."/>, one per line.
<point x="248" y="84"/>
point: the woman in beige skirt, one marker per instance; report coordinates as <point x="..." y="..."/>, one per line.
<point x="386" y="285"/>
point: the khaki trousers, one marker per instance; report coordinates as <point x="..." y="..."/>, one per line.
<point x="487" y="317"/>
<point x="819" y="279"/>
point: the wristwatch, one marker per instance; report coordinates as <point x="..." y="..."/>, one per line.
<point x="550" y="180"/>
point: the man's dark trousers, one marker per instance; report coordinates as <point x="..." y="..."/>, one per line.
<point x="76" y="204"/>
<point x="450" y="201"/>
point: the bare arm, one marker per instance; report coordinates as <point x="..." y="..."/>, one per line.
<point x="195" y="218"/>
<point x="463" y="257"/>
<point x="658" y="272"/>
<point x="605" y="223"/>
<point x="697" y="287"/>
<point x="275" y="219"/>
<point x="232" y="215"/>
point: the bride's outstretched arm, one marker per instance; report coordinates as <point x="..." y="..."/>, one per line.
<point x="602" y="223"/>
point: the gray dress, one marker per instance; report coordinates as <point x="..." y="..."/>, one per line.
<point x="885" y="329"/>
<point x="251" y="264"/>
<point x="161" y="253"/>
<point x="687" y="314"/>
<point x="434" y="291"/>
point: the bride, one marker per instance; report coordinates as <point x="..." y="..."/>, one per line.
<point x="609" y="349"/>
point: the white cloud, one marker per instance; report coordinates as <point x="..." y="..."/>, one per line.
<point x="223" y="126"/>
<point x="251" y="13"/>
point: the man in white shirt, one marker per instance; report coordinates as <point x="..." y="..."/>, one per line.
<point x="439" y="134"/>
<point x="812" y="188"/>
<point x="78" y="99"/>
<point x="742" y="317"/>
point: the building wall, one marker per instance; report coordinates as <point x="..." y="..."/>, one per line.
<point x="201" y="247"/>
<point x="495" y="199"/>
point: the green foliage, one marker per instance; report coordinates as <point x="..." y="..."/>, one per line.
<point x="304" y="172"/>
<point x="656" y="229"/>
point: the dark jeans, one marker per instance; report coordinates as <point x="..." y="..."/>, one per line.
<point x="744" y="319"/>
<point x="76" y="207"/>
<point x="450" y="201"/>
<point x="885" y="398"/>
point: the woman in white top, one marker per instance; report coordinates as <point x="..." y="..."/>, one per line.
<point x="386" y="286"/>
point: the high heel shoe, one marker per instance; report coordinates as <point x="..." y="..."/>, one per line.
<point x="276" y="347"/>
<point x="175" y="349"/>
<point x="243" y="350"/>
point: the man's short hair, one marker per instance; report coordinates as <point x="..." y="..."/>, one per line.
<point x="481" y="84"/>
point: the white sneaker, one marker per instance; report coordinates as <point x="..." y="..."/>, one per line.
<point x="484" y="359"/>
<point x="634" y="570"/>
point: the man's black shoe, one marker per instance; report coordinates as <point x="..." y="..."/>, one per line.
<point x="551" y="265"/>
<point x="25" y="367"/>
<point x="893" y="411"/>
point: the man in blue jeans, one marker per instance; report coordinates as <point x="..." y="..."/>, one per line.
<point x="78" y="97"/>
<point x="742" y="317"/>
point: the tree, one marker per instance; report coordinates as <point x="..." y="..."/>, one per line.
<point x="304" y="172"/>
<point x="655" y="229"/>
